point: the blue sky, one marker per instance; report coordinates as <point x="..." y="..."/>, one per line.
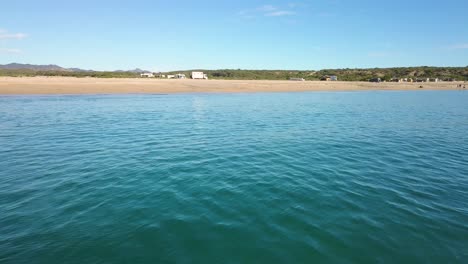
<point x="170" y="35"/>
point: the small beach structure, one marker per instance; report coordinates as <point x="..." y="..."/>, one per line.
<point x="147" y="75"/>
<point x="180" y="76"/>
<point x="199" y="76"/>
<point x="329" y="78"/>
<point x="171" y="76"/>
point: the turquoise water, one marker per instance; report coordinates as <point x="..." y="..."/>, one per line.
<point x="360" y="177"/>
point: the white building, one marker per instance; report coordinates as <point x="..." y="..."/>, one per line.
<point x="147" y="75"/>
<point x="199" y="75"/>
<point x="170" y="76"/>
<point x="180" y="76"/>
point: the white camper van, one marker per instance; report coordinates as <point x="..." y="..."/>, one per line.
<point x="199" y="75"/>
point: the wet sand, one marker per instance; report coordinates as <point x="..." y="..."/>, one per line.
<point x="70" y="85"/>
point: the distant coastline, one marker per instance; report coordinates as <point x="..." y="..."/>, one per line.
<point x="71" y="85"/>
<point x="385" y="74"/>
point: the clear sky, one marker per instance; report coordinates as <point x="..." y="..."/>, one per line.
<point x="246" y="34"/>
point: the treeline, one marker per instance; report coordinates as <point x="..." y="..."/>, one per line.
<point x="78" y="74"/>
<point x="386" y="74"/>
<point x="458" y="73"/>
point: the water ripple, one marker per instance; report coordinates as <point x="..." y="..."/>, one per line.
<point x="235" y="178"/>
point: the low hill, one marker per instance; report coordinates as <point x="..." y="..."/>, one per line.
<point x="458" y="73"/>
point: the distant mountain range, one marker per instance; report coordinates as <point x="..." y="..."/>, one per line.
<point x="53" y="67"/>
<point x="50" y="67"/>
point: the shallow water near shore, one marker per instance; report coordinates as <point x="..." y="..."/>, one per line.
<point x="347" y="177"/>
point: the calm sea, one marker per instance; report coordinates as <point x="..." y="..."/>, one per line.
<point x="340" y="177"/>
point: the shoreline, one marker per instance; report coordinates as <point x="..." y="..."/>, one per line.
<point x="103" y="86"/>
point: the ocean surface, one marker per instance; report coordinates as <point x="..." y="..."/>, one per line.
<point x="334" y="177"/>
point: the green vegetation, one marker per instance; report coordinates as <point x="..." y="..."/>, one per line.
<point x="458" y="73"/>
<point x="97" y="74"/>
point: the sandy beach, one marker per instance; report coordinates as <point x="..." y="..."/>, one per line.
<point x="70" y="85"/>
